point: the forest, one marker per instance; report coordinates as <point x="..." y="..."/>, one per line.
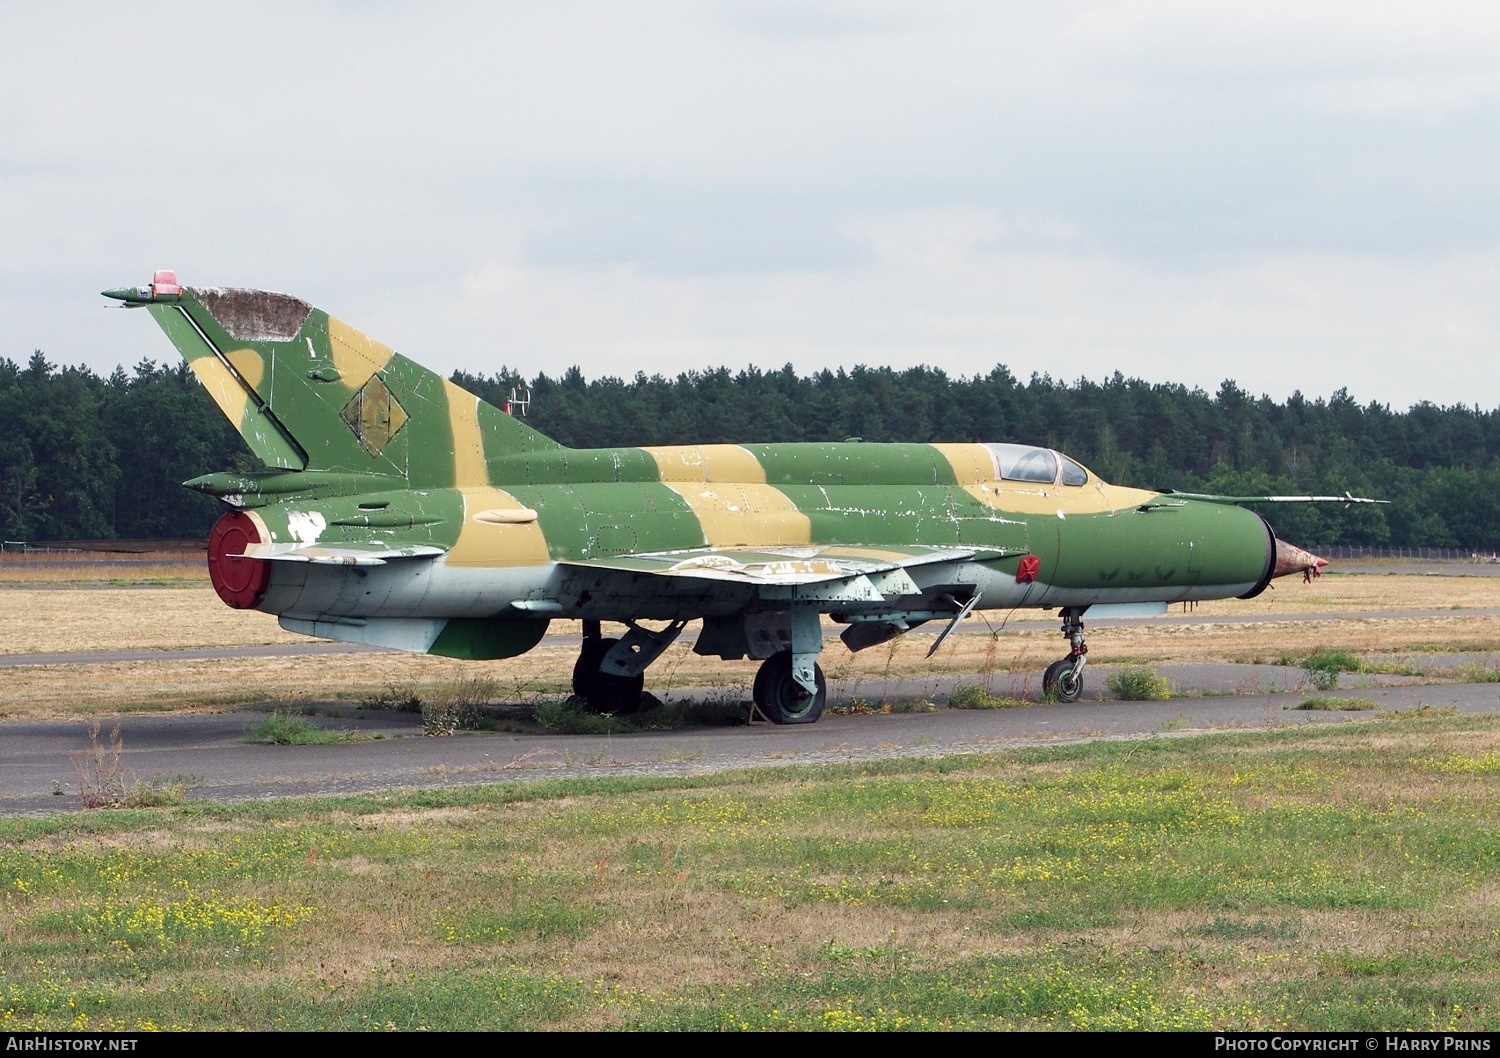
<point x="90" y="457"/>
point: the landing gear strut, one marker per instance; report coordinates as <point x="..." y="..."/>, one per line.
<point x="789" y="687"/>
<point x="605" y="692"/>
<point x="1063" y="679"/>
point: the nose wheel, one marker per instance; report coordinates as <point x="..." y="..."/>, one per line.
<point x="1063" y="680"/>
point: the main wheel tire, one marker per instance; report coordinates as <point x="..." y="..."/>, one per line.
<point x="782" y="698"/>
<point x="604" y="691"/>
<point x="1062" y="682"/>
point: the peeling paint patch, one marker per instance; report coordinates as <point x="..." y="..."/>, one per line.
<point x="305" y="526"/>
<point x="254" y="315"/>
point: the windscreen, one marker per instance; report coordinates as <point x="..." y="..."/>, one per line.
<point x="1041" y="465"/>
<point x="1024" y="463"/>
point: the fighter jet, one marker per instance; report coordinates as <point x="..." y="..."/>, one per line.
<point x="396" y="509"/>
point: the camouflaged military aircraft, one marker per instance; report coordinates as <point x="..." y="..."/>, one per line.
<point x="399" y="510"/>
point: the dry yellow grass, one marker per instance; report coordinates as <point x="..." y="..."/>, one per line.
<point x="43" y="620"/>
<point x="176" y="567"/>
<point x="58" y="691"/>
<point x="52" y="620"/>
<point x="1363" y="591"/>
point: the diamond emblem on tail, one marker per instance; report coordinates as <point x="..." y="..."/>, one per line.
<point x="374" y="415"/>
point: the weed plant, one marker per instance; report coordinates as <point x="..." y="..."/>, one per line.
<point x="1324" y="667"/>
<point x="571" y="716"/>
<point x="973" y="696"/>
<point x="286" y="727"/>
<point x="1476" y="673"/>
<point x="910" y="705"/>
<point x="716" y="711"/>
<point x="103" y="781"/>
<point x="1139" y="683"/>
<point x="860" y="707"/>
<point x="101" y="776"/>
<point x="397" y="697"/>
<point x="853" y="707"/>
<point x="1327" y="660"/>
<point x="457" y="704"/>
<point x="1328" y="702"/>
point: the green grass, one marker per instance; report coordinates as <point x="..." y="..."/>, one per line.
<point x="1328" y="702"/>
<point x="973" y="696"/>
<point x="1327" y="660"/>
<point x="569" y="716"/>
<point x="1325" y="665"/>
<point x="284" y="728"/>
<point x="157" y="793"/>
<point x="1333" y="878"/>
<point x="1476" y="673"/>
<point x="1138" y="683"/>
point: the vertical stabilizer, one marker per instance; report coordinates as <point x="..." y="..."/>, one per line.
<point x="309" y="392"/>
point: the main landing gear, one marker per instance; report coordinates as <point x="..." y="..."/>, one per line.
<point x="789" y="686"/>
<point x="782" y="698"/>
<point x="603" y="691"/>
<point x="611" y="673"/>
<point x="1063" y="679"/>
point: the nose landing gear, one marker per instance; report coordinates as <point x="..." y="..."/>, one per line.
<point x="1063" y="679"/>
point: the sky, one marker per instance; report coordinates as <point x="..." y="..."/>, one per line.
<point x="1296" y="196"/>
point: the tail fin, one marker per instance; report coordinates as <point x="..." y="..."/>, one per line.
<point x="308" y="392"/>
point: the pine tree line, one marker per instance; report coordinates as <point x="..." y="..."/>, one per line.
<point x="83" y="456"/>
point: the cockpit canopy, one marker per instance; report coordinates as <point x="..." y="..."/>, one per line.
<point x="1040" y="465"/>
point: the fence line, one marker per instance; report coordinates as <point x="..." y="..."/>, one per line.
<point x="1439" y="554"/>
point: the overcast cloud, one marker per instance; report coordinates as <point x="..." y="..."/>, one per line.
<point x="1292" y="195"/>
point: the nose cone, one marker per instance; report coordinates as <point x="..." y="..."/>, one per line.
<point x="1291" y="559"/>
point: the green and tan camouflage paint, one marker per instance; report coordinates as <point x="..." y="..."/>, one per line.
<point x="384" y="451"/>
